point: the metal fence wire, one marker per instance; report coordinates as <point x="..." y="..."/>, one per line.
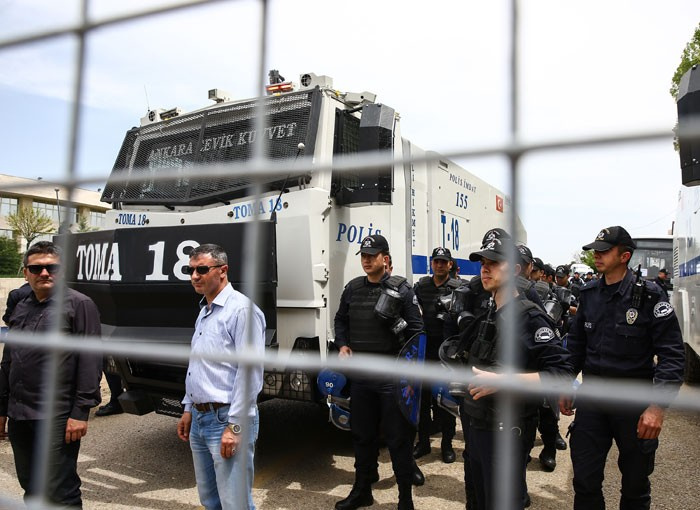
<point x="191" y="184"/>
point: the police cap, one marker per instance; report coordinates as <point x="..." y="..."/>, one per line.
<point x="537" y="263"/>
<point x="441" y="253"/>
<point x="609" y="237"/>
<point x="495" y="249"/>
<point x="494" y="233"/>
<point x="525" y="254"/>
<point x="562" y="271"/>
<point x="374" y="244"/>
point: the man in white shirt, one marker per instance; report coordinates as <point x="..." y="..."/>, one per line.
<point x="221" y="415"/>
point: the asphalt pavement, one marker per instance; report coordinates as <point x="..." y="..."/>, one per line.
<point x="303" y="462"/>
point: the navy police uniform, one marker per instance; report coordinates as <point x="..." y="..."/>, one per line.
<point x="538" y="349"/>
<point x="373" y="399"/>
<point x="613" y="336"/>
<point x="428" y="293"/>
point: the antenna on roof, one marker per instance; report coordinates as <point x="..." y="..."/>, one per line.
<point x="148" y="104"/>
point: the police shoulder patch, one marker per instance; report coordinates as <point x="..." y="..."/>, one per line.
<point x="544" y="334"/>
<point x="662" y="309"/>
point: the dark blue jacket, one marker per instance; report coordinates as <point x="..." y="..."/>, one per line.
<point x="610" y="338"/>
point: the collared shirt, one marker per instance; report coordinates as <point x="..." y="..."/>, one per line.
<point x="223" y="328"/>
<point x="23" y="368"/>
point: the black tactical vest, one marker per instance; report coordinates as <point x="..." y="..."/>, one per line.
<point x="482" y="342"/>
<point x="367" y="332"/>
<point x="428" y="294"/>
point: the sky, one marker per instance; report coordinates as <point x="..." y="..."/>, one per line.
<point x="586" y="69"/>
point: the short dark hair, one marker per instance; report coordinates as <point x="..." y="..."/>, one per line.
<point x="41" y="248"/>
<point x="216" y="252"/>
<point x="621" y="249"/>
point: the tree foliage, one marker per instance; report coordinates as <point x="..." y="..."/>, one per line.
<point x="690" y="57"/>
<point x="83" y="225"/>
<point x="10" y="258"/>
<point x="30" y="223"/>
<point x="586" y="257"/>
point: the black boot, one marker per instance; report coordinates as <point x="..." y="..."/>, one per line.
<point x="548" y="458"/>
<point x="405" y="496"/>
<point x="360" y="495"/>
<point x="418" y="476"/>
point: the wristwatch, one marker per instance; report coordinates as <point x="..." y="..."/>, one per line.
<point x="235" y="428"/>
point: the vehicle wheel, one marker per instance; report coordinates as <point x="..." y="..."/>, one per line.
<point x="692" y="366"/>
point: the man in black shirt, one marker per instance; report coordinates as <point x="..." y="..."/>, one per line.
<point x="23" y="382"/>
<point x="14" y="297"/>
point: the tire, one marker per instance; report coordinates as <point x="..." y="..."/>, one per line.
<point x="692" y="366"/>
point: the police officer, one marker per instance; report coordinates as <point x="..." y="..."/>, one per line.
<point x="359" y="328"/>
<point x="576" y="279"/>
<point x="538" y="350"/>
<point x="662" y="280"/>
<point x="549" y="275"/>
<point x="624" y="328"/>
<point x="428" y="289"/>
<point x="567" y="296"/>
<point x="537" y="272"/>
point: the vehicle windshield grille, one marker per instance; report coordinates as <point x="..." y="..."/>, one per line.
<point x="212" y="137"/>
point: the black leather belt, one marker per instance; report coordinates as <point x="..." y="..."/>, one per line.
<point x="208" y="406"/>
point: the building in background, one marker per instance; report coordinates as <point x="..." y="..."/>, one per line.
<point x="51" y="200"/>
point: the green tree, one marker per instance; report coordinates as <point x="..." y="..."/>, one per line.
<point x="10" y="258"/>
<point x="586" y="257"/>
<point x="689" y="58"/>
<point x="83" y="225"/>
<point x="30" y="223"/>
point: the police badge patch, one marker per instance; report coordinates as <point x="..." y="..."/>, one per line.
<point x="544" y="335"/>
<point x="631" y="315"/>
<point x="662" y="309"/>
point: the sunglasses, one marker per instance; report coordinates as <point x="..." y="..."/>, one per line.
<point x="200" y="269"/>
<point x="38" y="268"/>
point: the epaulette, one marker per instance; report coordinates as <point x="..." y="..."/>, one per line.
<point x="530" y="308"/>
<point x="455" y="283"/>
<point x="356" y="283"/>
<point x="424" y="281"/>
<point x="395" y="282"/>
<point x="593" y="284"/>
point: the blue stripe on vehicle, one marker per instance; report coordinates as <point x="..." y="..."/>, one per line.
<point x="420" y="264"/>
<point x="689" y="268"/>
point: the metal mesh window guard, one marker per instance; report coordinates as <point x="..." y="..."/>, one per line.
<point x="192" y="161"/>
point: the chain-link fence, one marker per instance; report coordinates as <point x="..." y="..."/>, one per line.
<point x="257" y="169"/>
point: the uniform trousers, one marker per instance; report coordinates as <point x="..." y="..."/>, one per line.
<point x="373" y="403"/>
<point x="63" y="483"/>
<point x="592" y="433"/>
<point x="485" y="464"/>
<point x="445" y="420"/>
<point x="469" y="490"/>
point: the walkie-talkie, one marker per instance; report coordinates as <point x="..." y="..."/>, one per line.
<point x="482" y="348"/>
<point x="638" y="289"/>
